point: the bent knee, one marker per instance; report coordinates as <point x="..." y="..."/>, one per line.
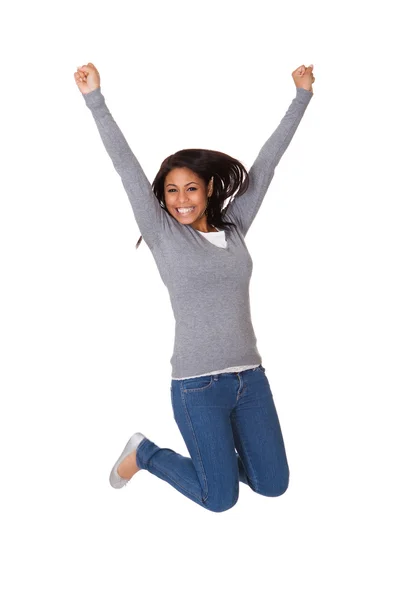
<point x="221" y="504"/>
<point x="275" y="487"/>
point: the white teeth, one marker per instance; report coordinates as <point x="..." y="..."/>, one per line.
<point x="185" y="210"/>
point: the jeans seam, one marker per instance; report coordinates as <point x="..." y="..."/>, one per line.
<point x="196" y="444"/>
<point x="200" y="388"/>
<point x="253" y="480"/>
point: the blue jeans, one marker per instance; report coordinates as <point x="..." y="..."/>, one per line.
<point x="232" y="432"/>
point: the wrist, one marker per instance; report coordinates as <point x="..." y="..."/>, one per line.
<point x="307" y="89"/>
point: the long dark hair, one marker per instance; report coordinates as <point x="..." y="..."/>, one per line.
<point x="229" y="177"/>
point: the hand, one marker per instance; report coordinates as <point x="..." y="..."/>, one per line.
<point x="303" y="77"/>
<point x="87" y="78"/>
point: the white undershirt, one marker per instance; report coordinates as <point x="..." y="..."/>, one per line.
<point x="216" y="237"/>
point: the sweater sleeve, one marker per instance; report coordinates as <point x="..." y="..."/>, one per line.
<point x="243" y="209"/>
<point x="149" y="215"/>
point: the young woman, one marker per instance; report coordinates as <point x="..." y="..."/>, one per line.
<point x="221" y="397"/>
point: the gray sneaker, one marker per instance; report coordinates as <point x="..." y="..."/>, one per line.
<point x="116" y="480"/>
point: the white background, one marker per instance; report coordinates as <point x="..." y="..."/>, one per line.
<point x="87" y="328"/>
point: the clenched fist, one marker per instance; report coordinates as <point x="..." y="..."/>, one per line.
<point x="303" y="77"/>
<point x="87" y="78"/>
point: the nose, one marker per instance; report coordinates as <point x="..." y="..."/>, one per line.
<point x="183" y="199"/>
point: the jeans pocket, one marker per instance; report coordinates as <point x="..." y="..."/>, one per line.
<point x="197" y="384"/>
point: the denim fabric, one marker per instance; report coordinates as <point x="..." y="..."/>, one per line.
<point x="232" y="432"/>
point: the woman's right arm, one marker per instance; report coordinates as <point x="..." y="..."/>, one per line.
<point x="149" y="215"/>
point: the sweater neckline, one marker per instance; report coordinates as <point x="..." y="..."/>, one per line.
<point x="198" y="233"/>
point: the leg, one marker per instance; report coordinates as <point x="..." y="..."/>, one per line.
<point x="210" y="476"/>
<point x="258" y="437"/>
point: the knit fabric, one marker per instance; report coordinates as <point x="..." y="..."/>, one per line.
<point x="208" y="285"/>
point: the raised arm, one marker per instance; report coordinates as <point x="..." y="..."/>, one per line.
<point x="149" y="215"/>
<point x="243" y="209"/>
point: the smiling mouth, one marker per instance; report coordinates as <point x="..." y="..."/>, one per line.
<point x="185" y="211"/>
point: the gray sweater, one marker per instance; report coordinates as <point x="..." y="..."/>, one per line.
<point x="208" y="285"/>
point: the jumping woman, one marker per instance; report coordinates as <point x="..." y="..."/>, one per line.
<point x="220" y="393"/>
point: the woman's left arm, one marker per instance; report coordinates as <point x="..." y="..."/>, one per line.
<point x="243" y="209"/>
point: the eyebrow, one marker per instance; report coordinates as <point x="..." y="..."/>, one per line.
<point x="185" y="183"/>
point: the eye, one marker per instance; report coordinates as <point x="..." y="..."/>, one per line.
<point x="174" y="189"/>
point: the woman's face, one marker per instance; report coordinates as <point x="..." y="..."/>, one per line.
<point x="186" y="190"/>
